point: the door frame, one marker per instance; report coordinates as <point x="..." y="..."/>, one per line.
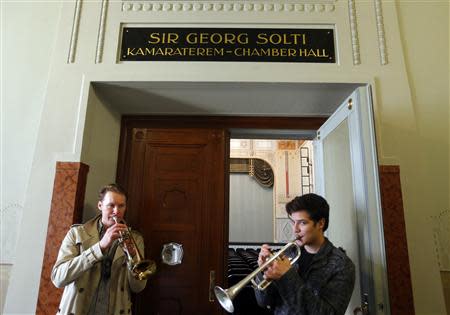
<point x="226" y="123"/>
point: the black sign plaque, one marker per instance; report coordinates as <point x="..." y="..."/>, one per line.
<point x="228" y="44"/>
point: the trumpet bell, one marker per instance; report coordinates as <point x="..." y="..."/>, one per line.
<point x="224" y="298"/>
<point x="139" y="267"/>
<point x="144" y="269"/>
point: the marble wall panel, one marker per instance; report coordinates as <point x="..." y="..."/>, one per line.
<point x="66" y="209"/>
<point x="399" y="275"/>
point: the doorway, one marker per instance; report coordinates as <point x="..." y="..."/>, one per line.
<point x="246" y="124"/>
<point x="175" y="171"/>
<point x="265" y="174"/>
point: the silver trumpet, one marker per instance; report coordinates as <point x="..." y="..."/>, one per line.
<point x="139" y="267"/>
<point x="226" y="296"/>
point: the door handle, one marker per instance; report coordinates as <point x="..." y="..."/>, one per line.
<point x="212" y="283"/>
<point x="172" y="254"/>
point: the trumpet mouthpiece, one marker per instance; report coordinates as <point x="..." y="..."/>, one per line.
<point x="117" y="219"/>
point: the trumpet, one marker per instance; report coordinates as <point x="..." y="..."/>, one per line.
<point x="226" y="296"/>
<point x="139" y="267"/>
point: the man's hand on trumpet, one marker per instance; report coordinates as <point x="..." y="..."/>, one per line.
<point x="112" y="233"/>
<point x="277" y="268"/>
<point x="128" y="244"/>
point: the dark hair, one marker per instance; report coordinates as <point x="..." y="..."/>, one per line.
<point x="315" y="205"/>
<point x="111" y="188"/>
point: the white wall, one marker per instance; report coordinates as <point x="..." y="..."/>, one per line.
<point x="410" y="107"/>
<point x="425" y="177"/>
<point x="28" y="32"/>
<point x="100" y="150"/>
<point x="251" y="210"/>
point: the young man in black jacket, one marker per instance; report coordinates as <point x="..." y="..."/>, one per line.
<point x="322" y="279"/>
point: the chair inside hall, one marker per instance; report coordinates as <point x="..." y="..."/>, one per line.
<point x="250" y="256"/>
<point x="241" y="262"/>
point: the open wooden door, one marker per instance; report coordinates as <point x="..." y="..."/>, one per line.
<point x="176" y="184"/>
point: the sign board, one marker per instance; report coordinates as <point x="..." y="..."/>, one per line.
<point x="228" y="44"/>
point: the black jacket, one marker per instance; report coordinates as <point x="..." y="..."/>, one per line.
<point x="325" y="288"/>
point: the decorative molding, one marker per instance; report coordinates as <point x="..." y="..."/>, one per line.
<point x="286" y="173"/>
<point x="10" y="216"/>
<point x="101" y="33"/>
<point x="284" y="231"/>
<point x="11" y="206"/>
<point x="219" y="6"/>
<point x="260" y="170"/>
<point x="139" y="134"/>
<point x="354" y="32"/>
<point x="441" y="238"/>
<point x="75" y="28"/>
<point x="287" y="144"/>
<point x="380" y="32"/>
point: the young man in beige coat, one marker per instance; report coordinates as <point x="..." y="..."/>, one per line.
<point x="90" y="265"/>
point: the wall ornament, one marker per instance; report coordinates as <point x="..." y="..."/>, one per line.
<point x="229" y="6"/>
<point x="258" y="169"/>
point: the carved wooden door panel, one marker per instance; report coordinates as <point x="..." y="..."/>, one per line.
<point x="176" y="184"/>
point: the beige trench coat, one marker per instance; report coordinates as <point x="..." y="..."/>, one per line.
<point x="78" y="270"/>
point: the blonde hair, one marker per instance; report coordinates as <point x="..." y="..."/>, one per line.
<point x="111" y="188"/>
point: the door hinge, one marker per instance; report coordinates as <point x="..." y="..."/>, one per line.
<point x="350" y="104"/>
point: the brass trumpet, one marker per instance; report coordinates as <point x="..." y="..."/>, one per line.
<point x="139" y="267"/>
<point x="226" y="296"/>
